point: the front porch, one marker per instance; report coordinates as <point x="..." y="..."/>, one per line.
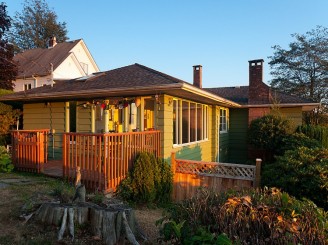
<point x="104" y="159"/>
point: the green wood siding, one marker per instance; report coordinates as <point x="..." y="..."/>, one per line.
<point x="224" y="147"/>
<point x="238" y="149"/>
<point x="83" y="119"/>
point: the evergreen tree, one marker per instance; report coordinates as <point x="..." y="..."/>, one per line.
<point x="35" y="25"/>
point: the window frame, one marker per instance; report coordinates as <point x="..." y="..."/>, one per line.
<point x="178" y="118"/>
<point x="223" y="127"/>
<point x="27" y="86"/>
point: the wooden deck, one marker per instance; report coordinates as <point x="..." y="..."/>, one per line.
<point x="53" y="168"/>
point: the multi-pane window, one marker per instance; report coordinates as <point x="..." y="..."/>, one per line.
<point x="190" y="121"/>
<point x="223" y="120"/>
<point x="27" y="86"/>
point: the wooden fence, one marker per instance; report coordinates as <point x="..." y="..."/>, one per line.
<point x="105" y="159"/>
<point x="29" y="149"/>
<point x="190" y="175"/>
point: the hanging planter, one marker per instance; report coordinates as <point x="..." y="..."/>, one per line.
<point x="137" y="101"/>
<point x="102" y="107"/>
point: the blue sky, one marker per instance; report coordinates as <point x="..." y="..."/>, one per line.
<point x="173" y="35"/>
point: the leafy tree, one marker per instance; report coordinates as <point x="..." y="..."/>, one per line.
<point x="302" y="69"/>
<point x="35" y="25"/>
<point x="8" y="69"/>
<point x="8" y="118"/>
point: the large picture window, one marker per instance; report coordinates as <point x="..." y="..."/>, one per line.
<point x="190" y="122"/>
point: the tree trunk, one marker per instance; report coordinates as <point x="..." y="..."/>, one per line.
<point x="108" y="224"/>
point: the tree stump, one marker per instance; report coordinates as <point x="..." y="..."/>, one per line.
<point x="109" y="224"/>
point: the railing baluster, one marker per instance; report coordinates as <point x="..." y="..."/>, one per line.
<point x="105" y="159"/>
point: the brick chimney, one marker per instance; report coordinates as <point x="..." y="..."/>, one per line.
<point x="52" y="42"/>
<point x="198" y="76"/>
<point x="258" y="92"/>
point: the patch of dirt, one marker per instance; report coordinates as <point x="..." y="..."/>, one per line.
<point x="146" y="219"/>
<point x="21" y="197"/>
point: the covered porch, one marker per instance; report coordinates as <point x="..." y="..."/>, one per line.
<point x="104" y="159"/>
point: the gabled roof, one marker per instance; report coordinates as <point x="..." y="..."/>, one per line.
<point x="240" y="96"/>
<point x="132" y="80"/>
<point x="37" y="61"/>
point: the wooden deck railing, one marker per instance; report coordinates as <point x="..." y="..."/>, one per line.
<point x="190" y="175"/>
<point x="29" y="149"/>
<point x="105" y="159"/>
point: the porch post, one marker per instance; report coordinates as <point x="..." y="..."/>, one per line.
<point x="67" y="119"/>
<point x="106" y="120"/>
<point x="93" y="119"/>
<point x="142" y="116"/>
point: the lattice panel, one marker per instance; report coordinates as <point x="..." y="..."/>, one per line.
<point x="224" y="170"/>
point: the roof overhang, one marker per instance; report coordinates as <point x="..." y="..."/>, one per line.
<point x="305" y="106"/>
<point x="181" y="90"/>
<point x="31" y="76"/>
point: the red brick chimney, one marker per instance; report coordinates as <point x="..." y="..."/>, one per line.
<point x="198" y="76"/>
<point x="258" y="92"/>
<point x="52" y="42"/>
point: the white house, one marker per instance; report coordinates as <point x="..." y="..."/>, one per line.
<point x="60" y="61"/>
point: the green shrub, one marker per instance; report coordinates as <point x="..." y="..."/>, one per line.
<point x="150" y="181"/>
<point x="164" y="186"/>
<point x="5" y="161"/>
<point x="266" y="133"/>
<point x="63" y="191"/>
<point x="143" y="180"/>
<point x="251" y="216"/>
<point x="320" y="133"/>
<point x="302" y="172"/>
<point x="294" y="141"/>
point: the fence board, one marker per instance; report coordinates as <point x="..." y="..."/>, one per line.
<point x="29" y="149"/>
<point x="190" y="175"/>
<point x="105" y="159"/>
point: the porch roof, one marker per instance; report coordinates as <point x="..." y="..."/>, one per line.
<point x="132" y="80"/>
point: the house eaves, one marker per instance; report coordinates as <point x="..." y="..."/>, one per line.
<point x="182" y="90"/>
<point x="210" y="96"/>
<point x="95" y="93"/>
<point x="305" y="106"/>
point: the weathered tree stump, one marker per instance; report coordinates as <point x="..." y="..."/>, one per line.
<point x="109" y="224"/>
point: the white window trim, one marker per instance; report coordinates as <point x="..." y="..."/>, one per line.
<point x="27" y="85"/>
<point x="178" y="123"/>
<point x="226" y="121"/>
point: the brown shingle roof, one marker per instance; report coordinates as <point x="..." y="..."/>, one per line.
<point x="132" y="77"/>
<point x="37" y="61"/>
<point x="240" y="96"/>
